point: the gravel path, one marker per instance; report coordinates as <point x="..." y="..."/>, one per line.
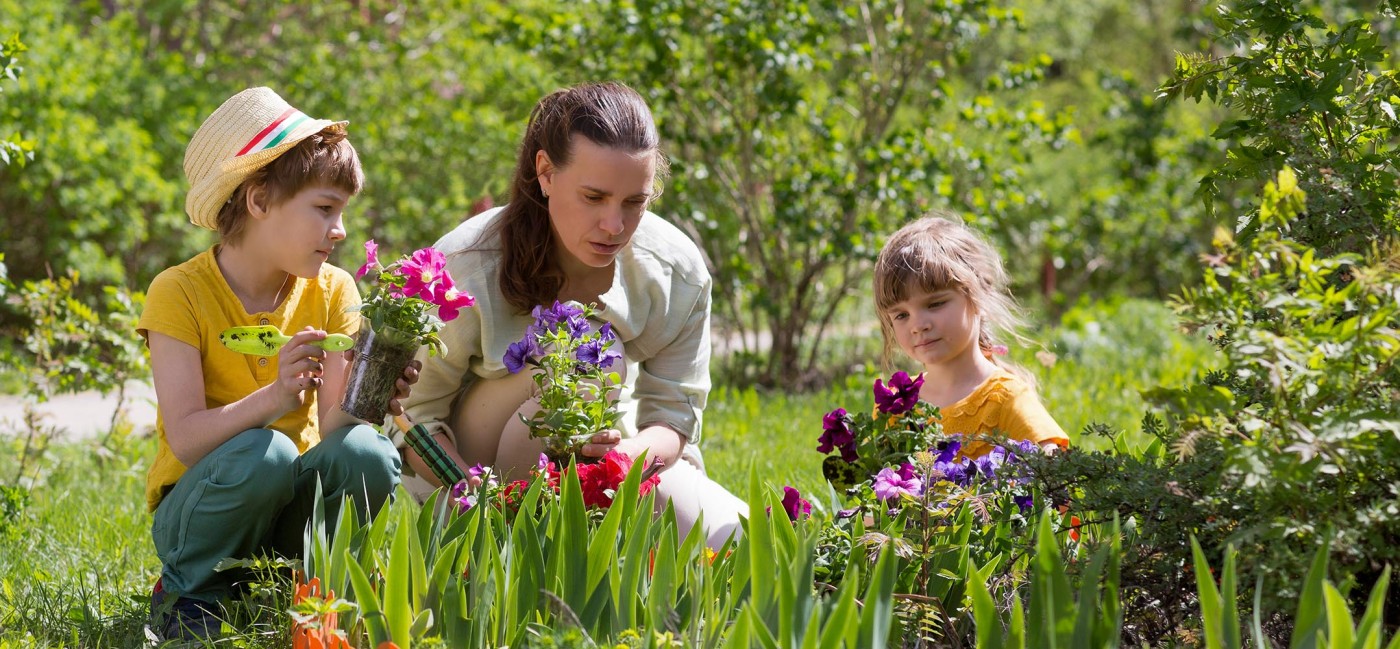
<point x="85" y="415"/>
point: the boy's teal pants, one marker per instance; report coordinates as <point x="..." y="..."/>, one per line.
<point x="254" y="493"/>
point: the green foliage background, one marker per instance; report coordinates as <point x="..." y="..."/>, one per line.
<point x="801" y="132"/>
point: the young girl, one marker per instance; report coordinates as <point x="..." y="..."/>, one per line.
<point x="942" y="297"/>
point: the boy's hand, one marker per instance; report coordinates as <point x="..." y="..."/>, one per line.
<point x="404" y="386"/>
<point x="299" y="367"/>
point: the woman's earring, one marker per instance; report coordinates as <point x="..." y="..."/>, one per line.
<point x="545" y="192"/>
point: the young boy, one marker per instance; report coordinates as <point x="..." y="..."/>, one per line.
<point x="243" y="439"/>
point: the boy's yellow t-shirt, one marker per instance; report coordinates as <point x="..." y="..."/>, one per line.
<point x="192" y="303"/>
<point x="1005" y="404"/>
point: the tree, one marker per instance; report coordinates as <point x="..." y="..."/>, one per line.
<point x="800" y="132"/>
<point x="1312" y="95"/>
<point x="13" y="148"/>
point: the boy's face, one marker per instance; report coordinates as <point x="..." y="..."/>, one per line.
<point x="299" y="234"/>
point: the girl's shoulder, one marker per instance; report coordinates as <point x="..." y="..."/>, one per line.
<point x="1000" y="388"/>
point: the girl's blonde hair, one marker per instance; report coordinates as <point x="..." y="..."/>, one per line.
<point x="937" y="253"/>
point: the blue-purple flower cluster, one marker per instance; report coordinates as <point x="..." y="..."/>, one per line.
<point x="998" y="467"/>
<point x="571" y="318"/>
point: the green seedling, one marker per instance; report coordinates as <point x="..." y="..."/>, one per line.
<point x="265" y="340"/>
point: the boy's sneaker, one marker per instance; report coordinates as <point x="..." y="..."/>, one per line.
<point x="182" y="618"/>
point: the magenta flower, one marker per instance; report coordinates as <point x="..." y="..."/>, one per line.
<point x="452" y="300"/>
<point x="371" y="258"/>
<point x="892" y="485"/>
<point x="794" y="504"/>
<point x="901" y="394"/>
<point x="837" y="433"/>
<point x="423" y="275"/>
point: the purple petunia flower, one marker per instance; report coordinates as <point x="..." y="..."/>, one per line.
<point x="521" y="352"/>
<point x="950" y="465"/>
<point x="577" y="325"/>
<point x="1025" y="502"/>
<point x="606" y="332"/>
<point x="900" y="395"/>
<point x="988" y="464"/>
<point x="890" y="485"/>
<point x="597" y="352"/>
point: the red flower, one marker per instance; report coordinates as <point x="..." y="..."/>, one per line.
<point x="601" y="480"/>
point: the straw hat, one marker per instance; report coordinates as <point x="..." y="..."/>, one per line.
<point x="247" y="132"/>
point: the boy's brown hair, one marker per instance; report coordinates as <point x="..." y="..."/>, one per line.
<point x="326" y="158"/>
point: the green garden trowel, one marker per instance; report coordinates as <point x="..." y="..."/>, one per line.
<point x="266" y="340"/>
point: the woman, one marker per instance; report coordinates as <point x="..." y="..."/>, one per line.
<point x="577" y="228"/>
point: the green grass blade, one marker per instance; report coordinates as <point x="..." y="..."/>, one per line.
<point x="314" y="539"/>
<point x="1341" y="629"/>
<point x="1309" y="621"/>
<point x="1052" y="601"/>
<point x="1016" y="636"/>
<point x="1084" y="622"/>
<point x="661" y="592"/>
<point x="370" y="610"/>
<point x="1369" y="631"/>
<point x="843" y="617"/>
<point x="345" y="529"/>
<point x="398" y="613"/>
<point x="984" y="611"/>
<point x="1257" y="628"/>
<point x="879" y="603"/>
<point x="1229" y="599"/>
<point x="760" y="544"/>
<point x="1208" y="595"/>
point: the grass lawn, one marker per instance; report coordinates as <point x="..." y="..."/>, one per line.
<point x="76" y="563"/>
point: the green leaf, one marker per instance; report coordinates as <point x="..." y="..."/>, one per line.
<point x="878" y="613"/>
<point x="1209" y="598"/>
<point x="1372" y="626"/>
<point x="1340" y="627"/>
<point x="1309" y="622"/>
<point x="397" y="611"/>
<point x="371" y="611"/>
<point x="985" y="615"/>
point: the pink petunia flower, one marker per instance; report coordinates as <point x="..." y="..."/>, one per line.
<point x="423" y="275"/>
<point x="371" y="258"/>
<point x="891" y="484"/>
<point x="452" y="300"/>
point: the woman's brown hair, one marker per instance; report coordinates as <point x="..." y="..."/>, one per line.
<point x="608" y="114"/>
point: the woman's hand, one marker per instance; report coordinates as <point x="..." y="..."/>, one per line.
<point x="299" y="367"/>
<point x="602" y="442"/>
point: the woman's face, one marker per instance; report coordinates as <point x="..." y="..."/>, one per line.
<point x="596" y="202"/>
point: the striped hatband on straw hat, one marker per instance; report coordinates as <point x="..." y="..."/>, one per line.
<point x="246" y="133"/>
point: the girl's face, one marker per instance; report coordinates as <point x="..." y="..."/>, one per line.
<point x="935" y="328"/>
<point x="596" y="202"/>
